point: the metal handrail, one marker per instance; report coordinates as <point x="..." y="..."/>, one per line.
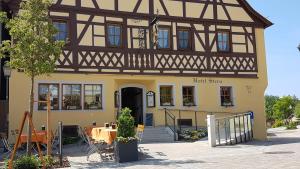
<point x="173" y="126"/>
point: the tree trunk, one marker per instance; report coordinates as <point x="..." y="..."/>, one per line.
<point x="29" y="130"/>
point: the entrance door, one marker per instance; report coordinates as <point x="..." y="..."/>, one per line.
<point x="132" y="97"/>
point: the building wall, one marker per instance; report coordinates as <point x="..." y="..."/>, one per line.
<point x="248" y="95"/>
<point x="83" y="58"/>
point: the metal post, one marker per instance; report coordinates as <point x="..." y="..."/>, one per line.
<point x="7" y="88"/>
<point x="225" y="125"/>
<point x="235" y="130"/>
<point x="244" y="128"/>
<point x="165" y="117"/>
<point x="174" y="129"/>
<point x="219" y="139"/>
<point x="180" y="120"/>
<point x="60" y="144"/>
<point x="196" y="122"/>
<point x="248" y="127"/>
<point x="230" y="131"/>
<point x="241" y="139"/>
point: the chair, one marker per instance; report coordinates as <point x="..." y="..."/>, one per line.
<point x="55" y="140"/>
<point x="95" y="147"/>
<point x="140" y="134"/>
<point x="9" y="149"/>
<point x="83" y="139"/>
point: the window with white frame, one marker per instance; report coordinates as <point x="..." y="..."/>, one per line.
<point x="92" y="96"/>
<point x="188" y="95"/>
<point x="43" y="91"/>
<point x="226" y="96"/>
<point x="71" y="96"/>
<point x="166" y="95"/>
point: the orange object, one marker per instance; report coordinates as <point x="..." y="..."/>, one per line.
<point x="104" y="134"/>
<point x="41" y="137"/>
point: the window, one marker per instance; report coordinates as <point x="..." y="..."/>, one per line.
<point x="166" y="96"/>
<point x="71" y="97"/>
<point x="139" y="38"/>
<point x="188" y="96"/>
<point x="62" y="29"/>
<point x="114" y="35"/>
<point x="226" y="96"/>
<point x="43" y="90"/>
<point x="92" y="97"/>
<point x="223" y="41"/>
<point x="183" y="38"/>
<point x="163" y="38"/>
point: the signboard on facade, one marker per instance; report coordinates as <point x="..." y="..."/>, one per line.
<point x="150" y="99"/>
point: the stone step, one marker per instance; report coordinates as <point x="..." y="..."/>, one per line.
<point x="157" y="135"/>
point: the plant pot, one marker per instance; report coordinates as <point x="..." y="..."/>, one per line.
<point x="126" y="152"/>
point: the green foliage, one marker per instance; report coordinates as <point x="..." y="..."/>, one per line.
<point x="32" y="48"/>
<point x="284" y="107"/>
<point x="291" y="126"/>
<point x="27" y="162"/>
<point x="192" y="135"/>
<point x="297" y="110"/>
<point x="270" y="101"/>
<point x="278" y="123"/>
<point x="126" y="128"/>
<point x="49" y="161"/>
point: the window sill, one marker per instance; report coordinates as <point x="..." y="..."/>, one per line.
<point x="77" y="111"/>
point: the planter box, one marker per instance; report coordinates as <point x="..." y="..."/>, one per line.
<point x="126" y="152"/>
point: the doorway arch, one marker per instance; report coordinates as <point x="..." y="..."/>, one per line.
<point x="133" y="96"/>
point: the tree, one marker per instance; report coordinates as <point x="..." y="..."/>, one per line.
<point x="297" y="110"/>
<point x="284" y="107"/>
<point x="32" y="47"/>
<point x="270" y="101"/>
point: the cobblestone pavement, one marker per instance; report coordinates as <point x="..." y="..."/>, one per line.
<point x="282" y="150"/>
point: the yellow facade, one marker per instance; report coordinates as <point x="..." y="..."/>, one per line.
<point x="248" y="93"/>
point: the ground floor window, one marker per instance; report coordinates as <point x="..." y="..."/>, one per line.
<point x="226" y="96"/>
<point x="188" y="95"/>
<point x="43" y="90"/>
<point x="92" y="97"/>
<point x="166" y="96"/>
<point x="71" y="96"/>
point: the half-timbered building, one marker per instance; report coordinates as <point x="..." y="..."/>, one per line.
<point x="190" y="55"/>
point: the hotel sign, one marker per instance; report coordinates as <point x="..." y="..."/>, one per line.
<point x="207" y="81"/>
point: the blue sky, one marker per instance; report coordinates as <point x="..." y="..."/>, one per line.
<point x="282" y="39"/>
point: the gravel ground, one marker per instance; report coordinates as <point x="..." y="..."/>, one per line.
<point x="282" y="150"/>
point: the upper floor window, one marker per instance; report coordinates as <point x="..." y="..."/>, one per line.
<point x="114" y="32"/>
<point x="166" y="96"/>
<point x="163" y="38"/>
<point x="226" y="96"/>
<point x="92" y="97"/>
<point x="62" y="29"/>
<point x="43" y="91"/>
<point x="183" y="38"/>
<point x="188" y="95"/>
<point x="71" y="97"/>
<point x="223" y="41"/>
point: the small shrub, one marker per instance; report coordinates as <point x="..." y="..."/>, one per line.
<point x="126" y="128"/>
<point x="49" y="161"/>
<point x="192" y="135"/>
<point x="291" y="126"/>
<point x="27" y="162"/>
<point x="278" y="123"/>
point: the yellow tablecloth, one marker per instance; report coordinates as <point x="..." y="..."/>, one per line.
<point x="104" y="134"/>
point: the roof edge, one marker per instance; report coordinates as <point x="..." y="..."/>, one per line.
<point x="266" y="23"/>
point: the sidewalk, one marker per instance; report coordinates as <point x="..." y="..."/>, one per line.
<point x="282" y="150"/>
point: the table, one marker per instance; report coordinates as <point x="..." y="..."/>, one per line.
<point x="104" y="134"/>
<point x="41" y="137"/>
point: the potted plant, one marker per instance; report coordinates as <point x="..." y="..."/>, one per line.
<point x="126" y="142"/>
<point x="227" y="103"/>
